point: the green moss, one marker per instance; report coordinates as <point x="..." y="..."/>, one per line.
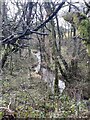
<point x="82" y="23"/>
<point x="88" y="49"/>
<point x="84" y="29"/>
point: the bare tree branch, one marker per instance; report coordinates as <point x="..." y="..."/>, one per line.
<point x="11" y="40"/>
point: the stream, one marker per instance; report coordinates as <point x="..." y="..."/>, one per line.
<point x="48" y="76"/>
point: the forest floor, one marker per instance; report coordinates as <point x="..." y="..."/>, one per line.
<point x="29" y="94"/>
<point x="21" y="85"/>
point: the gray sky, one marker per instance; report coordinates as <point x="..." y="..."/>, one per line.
<point x="63" y="10"/>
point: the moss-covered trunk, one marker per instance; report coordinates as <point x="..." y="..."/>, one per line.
<point x="56" y="89"/>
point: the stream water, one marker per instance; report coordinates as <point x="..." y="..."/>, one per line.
<point x="48" y="76"/>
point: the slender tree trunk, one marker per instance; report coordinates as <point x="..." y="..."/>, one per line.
<point x="11" y="65"/>
<point x="88" y="77"/>
<point x="0" y="18"/>
<point x="59" y="35"/>
<point x="56" y="88"/>
<point x="74" y="63"/>
<point x="42" y="43"/>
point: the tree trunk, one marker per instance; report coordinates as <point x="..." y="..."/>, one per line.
<point x="56" y="88"/>
<point x="88" y="77"/>
<point x="49" y="11"/>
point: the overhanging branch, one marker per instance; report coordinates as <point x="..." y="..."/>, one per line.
<point x="12" y="39"/>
